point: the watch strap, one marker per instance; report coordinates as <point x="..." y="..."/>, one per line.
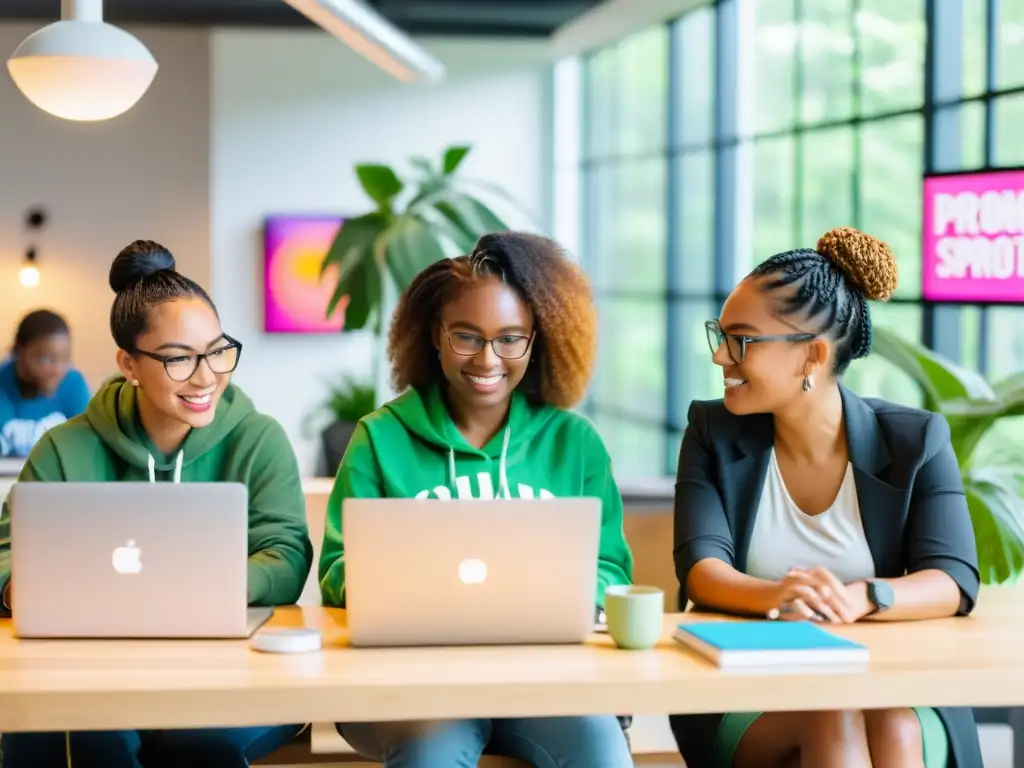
<point x="879" y="594"/>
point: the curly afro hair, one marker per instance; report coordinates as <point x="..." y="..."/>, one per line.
<point x="552" y="286"/>
<point x="832" y="285"/>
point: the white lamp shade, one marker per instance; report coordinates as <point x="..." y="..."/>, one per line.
<point x="82" y="70"/>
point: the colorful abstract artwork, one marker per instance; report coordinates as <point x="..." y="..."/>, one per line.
<point x="295" y="296"/>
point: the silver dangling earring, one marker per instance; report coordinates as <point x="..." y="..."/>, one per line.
<point x="808" y="384"/>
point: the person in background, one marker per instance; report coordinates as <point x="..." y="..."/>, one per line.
<point x="795" y="498"/>
<point x="38" y="387"/>
<point x="173" y="416"/>
<point x="494" y="347"/>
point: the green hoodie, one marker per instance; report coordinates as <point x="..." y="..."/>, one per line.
<point x="107" y="443"/>
<point x="411" y="448"/>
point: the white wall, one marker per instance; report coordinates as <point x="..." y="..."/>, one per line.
<point x="142" y="175"/>
<point x="238" y="125"/>
<point x="291" y="113"/>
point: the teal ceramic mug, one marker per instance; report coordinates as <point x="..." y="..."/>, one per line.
<point x="635" y="615"/>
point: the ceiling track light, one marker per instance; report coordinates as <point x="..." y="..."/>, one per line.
<point x="375" y="38"/>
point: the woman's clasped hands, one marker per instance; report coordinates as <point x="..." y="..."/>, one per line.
<point x="818" y="595"/>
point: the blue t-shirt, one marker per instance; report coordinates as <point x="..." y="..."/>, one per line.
<point x="23" y="421"/>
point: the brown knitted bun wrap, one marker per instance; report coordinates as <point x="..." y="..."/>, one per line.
<point x="865" y="260"/>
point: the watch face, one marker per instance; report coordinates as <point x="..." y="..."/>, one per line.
<point x="881" y="594"/>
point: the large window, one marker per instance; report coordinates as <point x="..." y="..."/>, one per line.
<point x="982" y="117"/>
<point x="748" y="127"/>
<point x="624" y="240"/>
<point x="837" y="133"/>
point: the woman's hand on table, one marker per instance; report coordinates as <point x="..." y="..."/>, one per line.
<point x="818" y="595"/>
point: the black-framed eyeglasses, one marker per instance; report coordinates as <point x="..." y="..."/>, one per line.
<point x="507" y="347"/>
<point x="223" y="359"/>
<point x="736" y="343"/>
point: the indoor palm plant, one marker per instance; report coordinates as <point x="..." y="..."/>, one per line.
<point x="429" y="214"/>
<point x="415" y="221"/>
<point x="993" y="478"/>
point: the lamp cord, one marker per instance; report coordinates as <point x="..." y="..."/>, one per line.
<point x="67" y="747"/>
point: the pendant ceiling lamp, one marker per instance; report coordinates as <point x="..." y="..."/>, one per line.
<point x="81" y="68"/>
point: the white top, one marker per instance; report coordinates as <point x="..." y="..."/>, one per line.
<point x="785" y="537"/>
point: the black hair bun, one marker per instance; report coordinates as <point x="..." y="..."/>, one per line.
<point x="137" y="261"/>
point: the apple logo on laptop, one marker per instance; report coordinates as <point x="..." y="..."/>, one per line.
<point x="472" y="571"/>
<point x="127" y="559"/>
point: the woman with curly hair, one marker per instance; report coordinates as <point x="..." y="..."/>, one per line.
<point x="492" y="349"/>
<point x="797" y="499"/>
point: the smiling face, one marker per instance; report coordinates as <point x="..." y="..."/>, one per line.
<point x="764" y="375"/>
<point x="177" y="331"/>
<point x="485" y="312"/>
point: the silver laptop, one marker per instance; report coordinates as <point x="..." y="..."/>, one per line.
<point x="131" y="560"/>
<point x="430" y="572"/>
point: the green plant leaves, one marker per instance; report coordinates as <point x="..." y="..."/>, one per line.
<point x="964" y="397"/>
<point x="359" y="276"/>
<point x="380" y="182"/>
<point x="997" y="514"/>
<point x="453" y="158"/>
<point x="363" y="290"/>
<point x="351" y="400"/>
<point x="971" y="406"/>
<point x="468" y="219"/>
<point x="453" y="227"/>
<point x="476" y="215"/>
<point x="423" y="165"/>
<point x="1010" y="392"/>
<point x="940" y="378"/>
<point x="358" y="231"/>
<point x="411" y="247"/>
<point x="400" y="242"/>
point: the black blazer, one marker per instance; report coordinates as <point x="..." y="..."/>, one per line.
<point x="909" y="488"/>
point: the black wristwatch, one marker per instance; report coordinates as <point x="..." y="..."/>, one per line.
<point x="881" y="596"/>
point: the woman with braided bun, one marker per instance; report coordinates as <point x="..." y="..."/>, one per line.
<point x="797" y="499"/>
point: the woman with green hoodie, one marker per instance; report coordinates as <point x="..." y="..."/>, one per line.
<point x="173" y="416"/>
<point x="492" y="349"/>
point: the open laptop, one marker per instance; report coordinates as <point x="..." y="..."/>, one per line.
<point x="429" y="572"/>
<point x="131" y="560"/>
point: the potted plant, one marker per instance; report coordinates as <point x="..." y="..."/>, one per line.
<point x="993" y="476"/>
<point x="429" y="215"/>
<point x="347" y="402"/>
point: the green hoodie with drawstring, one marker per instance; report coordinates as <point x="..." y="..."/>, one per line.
<point x="410" y="448"/>
<point x="107" y="443"/>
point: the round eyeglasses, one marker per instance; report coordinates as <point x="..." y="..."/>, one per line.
<point x="507" y="347"/>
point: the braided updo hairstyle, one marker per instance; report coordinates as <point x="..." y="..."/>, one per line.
<point x="830" y="286"/>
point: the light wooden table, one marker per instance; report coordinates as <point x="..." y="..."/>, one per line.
<point x="66" y="684"/>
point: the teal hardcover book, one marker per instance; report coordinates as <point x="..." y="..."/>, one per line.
<point x="769" y="643"/>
